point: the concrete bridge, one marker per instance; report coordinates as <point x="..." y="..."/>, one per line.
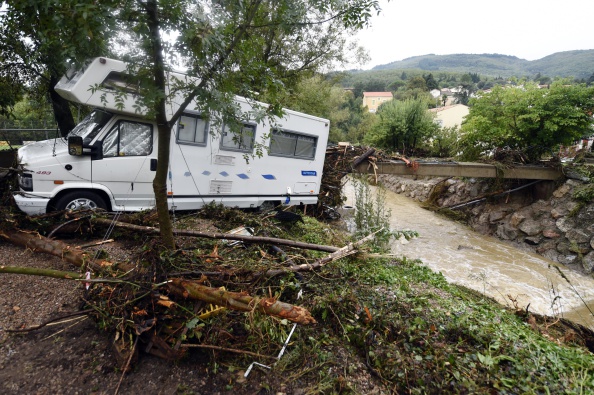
<point x="461" y="169"/>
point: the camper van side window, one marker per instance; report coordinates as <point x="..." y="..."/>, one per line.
<point x="242" y="141"/>
<point x="293" y="145"/>
<point x="128" y="139"/>
<point x="192" y="129"/>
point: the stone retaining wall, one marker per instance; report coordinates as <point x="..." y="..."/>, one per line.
<point x="542" y="218"/>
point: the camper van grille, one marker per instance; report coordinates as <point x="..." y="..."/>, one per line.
<point x="220" y="187"/>
<point x="224" y="160"/>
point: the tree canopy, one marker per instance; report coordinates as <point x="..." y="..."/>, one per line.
<point x="527" y="119"/>
<point x="232" y="47"/>
<point x="402" y="126"/>
<point x="39" y="37"/>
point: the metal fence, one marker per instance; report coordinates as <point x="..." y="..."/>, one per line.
<point x="21" y="133"/>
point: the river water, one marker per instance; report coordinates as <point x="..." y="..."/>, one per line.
<point x="487" y="264"/>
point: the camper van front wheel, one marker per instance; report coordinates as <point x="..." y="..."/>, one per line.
<point x="80" y="200"/>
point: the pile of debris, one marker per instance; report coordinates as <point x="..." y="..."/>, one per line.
<point x="341" y="160"/>
<point x="161" y="298"/>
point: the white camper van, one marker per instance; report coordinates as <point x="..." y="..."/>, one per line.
<point x="115" y="168"/>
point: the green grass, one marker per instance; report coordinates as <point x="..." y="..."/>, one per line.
<point x="421" y="335"/>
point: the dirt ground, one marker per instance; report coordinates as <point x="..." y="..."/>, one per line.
<point x="75" y="357"/>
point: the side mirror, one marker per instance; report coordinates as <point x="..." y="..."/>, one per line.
<point x="75" y="145"/>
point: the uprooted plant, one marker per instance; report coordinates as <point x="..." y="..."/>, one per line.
<point x="371" y="215"/>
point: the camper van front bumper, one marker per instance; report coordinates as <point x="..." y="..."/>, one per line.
<point x="31" y="204"/>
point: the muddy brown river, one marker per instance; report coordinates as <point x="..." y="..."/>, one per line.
<point x="487" y="264"/>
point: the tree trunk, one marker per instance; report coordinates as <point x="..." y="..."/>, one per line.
<point x="361" y="158"/>
<point x="61" y="108"/>
<point x="164" y="128"/>
<point x="240" y="301"/>
<point x="36" y="242"/>
<point x="160" y="187"/>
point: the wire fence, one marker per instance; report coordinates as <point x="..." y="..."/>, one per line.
<point x="16" y="134"/>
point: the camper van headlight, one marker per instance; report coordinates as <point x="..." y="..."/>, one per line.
<point x="26" y="182"/>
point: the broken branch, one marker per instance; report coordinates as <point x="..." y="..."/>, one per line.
<point x="347" y="250"/>
<point x="36" y="242"/>
<point x="233" y="350"/>
<point x="239" y="301"/>
<point x="245" y="239"/>
<point x="31" y="271"/>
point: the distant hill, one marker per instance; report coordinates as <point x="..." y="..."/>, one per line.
<point x="578" y="64"/>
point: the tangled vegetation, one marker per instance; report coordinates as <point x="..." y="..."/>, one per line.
<point x="382" y="324"/>
<point x="392" y="324"/>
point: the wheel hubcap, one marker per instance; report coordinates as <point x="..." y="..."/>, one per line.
<point x="81" y="204"/>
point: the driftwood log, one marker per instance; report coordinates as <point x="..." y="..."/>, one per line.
<point x="239" y="301"/>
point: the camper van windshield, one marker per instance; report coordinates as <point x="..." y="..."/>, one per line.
<point x="91" y="125"/>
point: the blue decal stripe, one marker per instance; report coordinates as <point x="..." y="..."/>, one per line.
<point x="243" y="176"/>
<point x="269" y="176"/>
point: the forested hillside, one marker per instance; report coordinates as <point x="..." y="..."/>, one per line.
<point x="576" y="64"/>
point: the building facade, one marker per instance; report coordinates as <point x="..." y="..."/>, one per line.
<point x="372" y="100"/>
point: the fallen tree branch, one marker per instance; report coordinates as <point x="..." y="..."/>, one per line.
<point x="51" y="234"/>
<point x="31" y="271"/>
<point x="226" y="236"/>
<point x="191" y="289"/>
<point x="485" y="196"/>
<point x="33" y="328"/>
<point x="239" y="301"/>
<point x="38" y="243"/>
<point x="347" y="250"/>
<point x="96" y="243"/>
<point x="233" y="350"/>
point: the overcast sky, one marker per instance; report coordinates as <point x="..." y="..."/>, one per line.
<point x="528" y="29"/>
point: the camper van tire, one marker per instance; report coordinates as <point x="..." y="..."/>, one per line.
<point x="80" y="200"/>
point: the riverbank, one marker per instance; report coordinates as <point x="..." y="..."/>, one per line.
<point x="383" y="326"/>
<point x="544" y="217"/>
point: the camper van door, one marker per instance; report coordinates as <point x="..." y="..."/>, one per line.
<point x="128" y="164"/>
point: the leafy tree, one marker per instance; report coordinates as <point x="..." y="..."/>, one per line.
<point x="39" y="37"/>
<point x="527" y="119"/>
<point x="402" y="125"/>
<point x="321" y="97"/>
<point x="235" y="46"/>
<point x="444" y="142"/>
<point x="12" y="92"/>
<point x="590" y="80"/>
<point x="430" y="82"/>
<point x="232" y="47"/>
<point x="357" y="123"/>
<point x="466" y="89"/>
<point x="372" y="85"/>
<point x="416" y="83"/>
<point x="395" y="85"/>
